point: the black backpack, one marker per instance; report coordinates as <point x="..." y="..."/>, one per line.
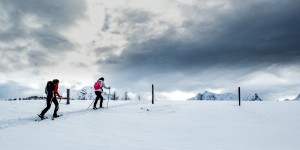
<point x="49" y="87"/>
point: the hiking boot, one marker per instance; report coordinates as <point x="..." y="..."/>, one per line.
<point x="41" y="116"/>
<point x="95" y="108"/>
<point x="55" y="116"/>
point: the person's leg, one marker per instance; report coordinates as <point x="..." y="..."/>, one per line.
<point x="97" y="98"/>
<point x="49" y="97"/>
<point x="56" y="106"/>
<point x="101" y="100"/>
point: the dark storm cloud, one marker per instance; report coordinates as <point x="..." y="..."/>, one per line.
<point x="39" y="58"/>
<point x="12" y="59"/>
<point x="57" y="14"/>
<point x="251" y="36"/>
<point x="105" y="26"/>
<point x="54" y="42"/>
<point x="50" y="17"/>
<point x="104" y="50"/>
<point x="126" y="17"/>
<point x="259" y="34"/>
<point x="134" y="16"/>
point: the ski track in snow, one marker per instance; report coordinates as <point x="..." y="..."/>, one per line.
<point x="24" y="121"/>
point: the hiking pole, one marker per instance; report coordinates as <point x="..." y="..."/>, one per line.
<point x="52" y="99"/>
<point x="108" y="98"/>
<point x="90" y="105"/>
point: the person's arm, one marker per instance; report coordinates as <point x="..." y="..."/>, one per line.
<point x="103" y="85"/>
<point x="56" y="90"/>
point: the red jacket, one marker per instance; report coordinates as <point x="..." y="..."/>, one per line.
<point x="56" y="90"/>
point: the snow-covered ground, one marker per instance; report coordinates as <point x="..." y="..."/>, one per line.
<point x="168" y="125"/>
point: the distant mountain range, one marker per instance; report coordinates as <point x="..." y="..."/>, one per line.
<point x="87" y="93"/>
<point x="225" y="96"/>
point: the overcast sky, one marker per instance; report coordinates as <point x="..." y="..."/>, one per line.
<point x="183" y="47"/>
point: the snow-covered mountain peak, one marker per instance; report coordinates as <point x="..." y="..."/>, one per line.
<point x="207" y="95"/>
<point x="207" y="92"/>
<point x="252" y="97"/>
<point x="298" y="97"/>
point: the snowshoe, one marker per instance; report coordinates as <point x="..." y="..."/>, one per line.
<point x="56" y="116"/>
<point x="41" y="118"/>
<point x="53" y="117"/>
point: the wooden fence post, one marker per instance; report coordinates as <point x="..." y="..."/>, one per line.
<point x="239" y="96"/>
<point x="152" y="94"/>
<point x="68" y="96"/>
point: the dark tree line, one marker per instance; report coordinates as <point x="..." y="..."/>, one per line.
<point x="29" y="98"/>
<point x="125" y="97"/>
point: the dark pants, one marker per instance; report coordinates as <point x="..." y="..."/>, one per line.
<point x="51" y="98"/>
<point x="99" y="95"/>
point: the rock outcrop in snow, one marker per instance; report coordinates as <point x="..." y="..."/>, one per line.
<point x="252" y="97"/>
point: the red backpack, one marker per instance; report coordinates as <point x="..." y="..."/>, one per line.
<point x="97" y="85"/>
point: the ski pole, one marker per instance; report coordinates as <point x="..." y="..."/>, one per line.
<point x="59" y="101"/>
<point x="108" y="98"/>
<point x="90" y="105"/>
<point x="52" y="99"/>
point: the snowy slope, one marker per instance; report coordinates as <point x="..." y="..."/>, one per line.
<point x="169" y="125"/>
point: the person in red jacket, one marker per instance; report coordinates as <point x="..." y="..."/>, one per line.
<point x="99" y="91"/>
<point x="52" y="91"/>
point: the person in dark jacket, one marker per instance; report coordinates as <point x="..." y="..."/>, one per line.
<point x="99" y="91"/>
<point x="52" y="91"/>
